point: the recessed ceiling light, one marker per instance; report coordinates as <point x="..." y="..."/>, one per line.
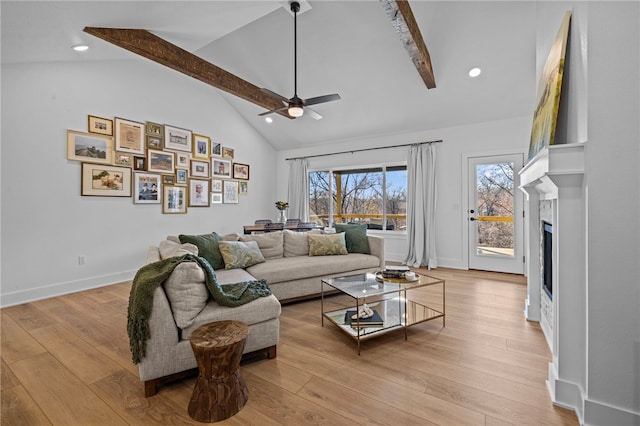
<point x="474" y="72"/>
<point x="268" y="120"/>
<point x="80" y="47"/>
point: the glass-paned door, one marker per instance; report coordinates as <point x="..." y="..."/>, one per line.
<point x="495" y="214"/>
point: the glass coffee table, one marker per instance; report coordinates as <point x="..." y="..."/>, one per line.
<point x="397" y="303"/>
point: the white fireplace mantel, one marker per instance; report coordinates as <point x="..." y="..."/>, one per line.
<point x="556" y="173"/>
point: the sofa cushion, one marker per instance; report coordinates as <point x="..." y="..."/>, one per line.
<point x="257" y="311"/>
<point x="186" y="292"/>
<point x="326" y="245"/>
<point x="207" y="247"/>
<point x="168" y="248"/>
<point x="356" y="237"/>
<point x="270" y="243"/>
<point x="238" y="254"/>
<point x="301" y="267"/>
<point x="297" y="243"/>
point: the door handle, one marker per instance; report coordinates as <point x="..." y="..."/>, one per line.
<point x="472" y="219"/>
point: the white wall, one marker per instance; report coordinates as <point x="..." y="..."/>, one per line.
<point x="510" y="135"/>
<point x="46" y="224"/>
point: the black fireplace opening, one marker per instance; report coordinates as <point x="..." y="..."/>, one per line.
<point x="547" y="257"/>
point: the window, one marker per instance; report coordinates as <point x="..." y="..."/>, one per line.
<point x="376" y="196"/>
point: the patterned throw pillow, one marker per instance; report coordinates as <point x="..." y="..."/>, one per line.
<point x="207" y="247"/>
<point x="239" y="254"/>
<point x="356" y="237"/>
<point x="325" y="245"/>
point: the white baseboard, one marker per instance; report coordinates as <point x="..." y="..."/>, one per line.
<point x="45" y="292"/>
<point x="589" y="412"/>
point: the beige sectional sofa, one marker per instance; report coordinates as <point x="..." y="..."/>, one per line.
<point x="182" y="303"/>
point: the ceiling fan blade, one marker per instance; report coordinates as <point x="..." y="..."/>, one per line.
<point x="321" y="99"/>
<point x="279" y="110"/>
<point x="276" y="95"/>
<point x="312" y="113"/>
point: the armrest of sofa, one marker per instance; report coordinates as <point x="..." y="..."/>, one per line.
<point x="376" y="247"/>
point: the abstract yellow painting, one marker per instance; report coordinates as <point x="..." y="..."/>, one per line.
<point x="549" y="89"/>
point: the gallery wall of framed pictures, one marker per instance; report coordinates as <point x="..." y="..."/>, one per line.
<point x="156" y="163"/>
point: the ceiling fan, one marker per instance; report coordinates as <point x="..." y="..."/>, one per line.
<point x="295" y="107"/>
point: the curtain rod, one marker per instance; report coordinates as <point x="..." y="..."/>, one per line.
<point x="359" y="150"/>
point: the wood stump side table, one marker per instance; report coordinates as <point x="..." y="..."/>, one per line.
<point x="220" y="391"/>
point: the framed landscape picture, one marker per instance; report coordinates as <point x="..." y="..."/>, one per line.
<point x="230" y="192"/>
<point x="89" y="147"/>
<point x="122" y="159"/>
<point x="220" y="168"/>
<point x="147" y="188"/>
<point x="101" y="126"/>
<point x="240" y="171"/>
<point x="105" y="181"/>
<point x="201" y="147"/>
<point x="199" y="168"/>
<point x="199" y="193"/>
<point x="227" y="152"/>
<point x="174" y="199"/>
<point x="160" y="161"/>
<point x="177" y="139"/>
<point x="129" y="136"/>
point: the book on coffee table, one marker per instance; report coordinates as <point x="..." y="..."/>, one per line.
<point x="374" y="320"/>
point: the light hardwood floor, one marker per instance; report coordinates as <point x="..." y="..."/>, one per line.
<point x="66" y="361"/>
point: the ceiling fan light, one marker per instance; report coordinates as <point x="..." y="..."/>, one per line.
<point x="295" y="111"/>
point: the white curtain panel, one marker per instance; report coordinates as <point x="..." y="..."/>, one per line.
<point x="298" y="190"/>
<point x="421" y="206"/>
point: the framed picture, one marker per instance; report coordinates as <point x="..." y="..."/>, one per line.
<point x="240" y="171"/>
<point x="244" y="187"/>
<point x="183" y="160"/>
<point x="87" y="147"/>
<point x="227" y="152"/>
<point x="154" y="142"/>
<point x="122" y="159"/>
<point x="216" y="185"/>
<point x="199" y="193"/>
<point x="216" y="198"/>
<point x="168" y="179"/>
<point x="199" y="168"/>
<point x="129" y="136"/>
<point x="220" y="168"/>
<point x="201" y="146"/>
<point x="147" y="188"/>
<point x="181" y="176"/>
<point x="105" y="181"/>
<point x="174" y="199"/>
<point x="154" y="129"/>
<point x="230" y="192"/>
<point x="101" y="126"/>
<point x="177" y="139"/>
<point x="216" y="149"/>
<point x="139" y="163"/>
<point x="160" y="161"/>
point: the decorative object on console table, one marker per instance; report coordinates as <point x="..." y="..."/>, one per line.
<point x="282" y="206"/>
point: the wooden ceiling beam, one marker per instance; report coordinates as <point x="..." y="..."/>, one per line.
<point x="407" y="29"/>
<point x="152" y="47"/>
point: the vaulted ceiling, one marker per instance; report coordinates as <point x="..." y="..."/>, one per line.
<point x="345" y="47"/>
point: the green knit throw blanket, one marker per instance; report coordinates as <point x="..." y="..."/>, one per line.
<point x="150" y="276"/>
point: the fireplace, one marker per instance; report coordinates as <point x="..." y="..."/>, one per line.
<point x="547" y="259"/>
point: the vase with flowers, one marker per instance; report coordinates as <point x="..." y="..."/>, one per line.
<point x="282" y="206"/>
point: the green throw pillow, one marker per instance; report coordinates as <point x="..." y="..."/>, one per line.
<point x="239" y="254"/>
<point x="207" y="247"/>
<point x="325" y="245"/>
<point x="356" y="236"/>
